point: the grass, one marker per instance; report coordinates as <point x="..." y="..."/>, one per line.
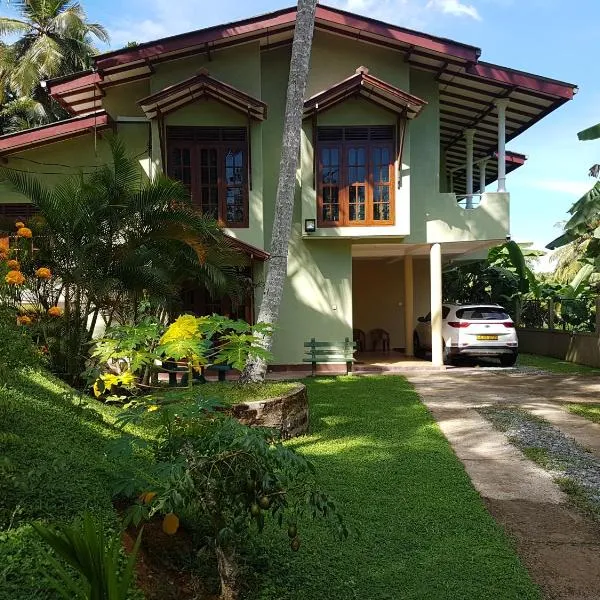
<point x="229" y="393"/>
<point x="588" y="411"/>
<point x="53" y="467"/>
<point x="422" y="531"/>
<point x="555" y="365"/>
<point x="538" y="455"/>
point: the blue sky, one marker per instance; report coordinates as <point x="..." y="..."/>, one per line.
<point x="546" y="37"/>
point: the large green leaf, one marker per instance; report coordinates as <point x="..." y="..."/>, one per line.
<point x="591" y="133"/>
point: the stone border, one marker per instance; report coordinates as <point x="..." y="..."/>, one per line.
<point x="287" y="413"/>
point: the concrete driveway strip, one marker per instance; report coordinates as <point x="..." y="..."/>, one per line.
<point x="497" y="469"/>
<point x="559" y="546"/>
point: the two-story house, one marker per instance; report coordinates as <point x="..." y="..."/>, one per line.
<point x="403" y="140"/>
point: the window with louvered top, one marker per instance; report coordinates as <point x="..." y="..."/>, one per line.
<point x="212" y="163"/>
<point x="355" y="176"/>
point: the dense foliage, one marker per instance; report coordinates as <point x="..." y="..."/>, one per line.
<point x="114" y="246"/>
<point x="50" y="39"/>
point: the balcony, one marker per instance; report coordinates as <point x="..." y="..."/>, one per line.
<point x="452" y="218"/>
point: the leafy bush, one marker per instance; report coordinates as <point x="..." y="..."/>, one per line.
<point x="226" y="479"/>
<point x="131" y="351"/>
<point x="17" y="348"/>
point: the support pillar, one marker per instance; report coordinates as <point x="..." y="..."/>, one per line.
<point x="409" y="309"/>
<point x="501" y="105"/>
<point x="435" y="273"/>
<point x="598" y="314"/>
<point x="469" y="135"/>
<point x="482" y="174"/>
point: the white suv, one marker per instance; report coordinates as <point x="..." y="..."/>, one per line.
<point x="471" y="330"/>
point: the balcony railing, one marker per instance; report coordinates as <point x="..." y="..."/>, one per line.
<point x="468" y="200"/>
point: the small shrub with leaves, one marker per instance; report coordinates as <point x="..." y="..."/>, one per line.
<point x="127" y="354"/>
<point x="227" y="480"/>
<point x="95" y="555"/>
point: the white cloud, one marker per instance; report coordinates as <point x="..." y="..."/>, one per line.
<point x="408" y="13"/>
<point x="455" y="8"/>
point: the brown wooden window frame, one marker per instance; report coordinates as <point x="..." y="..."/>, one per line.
<point x="199" y="139"/>
<point x="350" y="138"/>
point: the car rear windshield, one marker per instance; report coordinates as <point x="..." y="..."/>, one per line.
<point x="482" y="313"/>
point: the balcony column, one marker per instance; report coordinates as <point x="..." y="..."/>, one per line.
<point x="409" y="310"/>
<point x="469" y="135"/>
<point x="435" y="274"/>
<point x="501" y="105"/>
<point x="482" y="168"/>
<point x="451" y="182"/>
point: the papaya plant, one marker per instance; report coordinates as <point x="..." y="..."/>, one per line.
<point x="226" y="480"/>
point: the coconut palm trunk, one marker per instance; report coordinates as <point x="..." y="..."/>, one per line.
<point x="284" y="204"/>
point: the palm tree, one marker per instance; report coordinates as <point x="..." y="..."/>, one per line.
<point x="113" y="239"/>
<point x="256" y="367"/>
<point x="55" y="39"/>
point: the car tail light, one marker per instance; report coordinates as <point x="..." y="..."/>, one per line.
<point x="509" y="324"/>
<point x="458" y="324"/>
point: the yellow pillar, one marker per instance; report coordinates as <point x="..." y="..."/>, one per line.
<point x="435" y="273"/>
<point x="409" y="310"/>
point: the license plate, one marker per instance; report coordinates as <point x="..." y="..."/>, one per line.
<point x="487" y="337"/>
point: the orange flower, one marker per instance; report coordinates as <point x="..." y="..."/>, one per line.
<point x="23" y="320"/>
<point x="14" y="265"/>
<point x="14" y="278"/>
<point x="43" y="273"/>
<point x="170" y="524"/>
<point x="24" y="232"/>
<point x="19" y="224"/>
<point x="3" y="255"/>
<point x="54" y="311"/>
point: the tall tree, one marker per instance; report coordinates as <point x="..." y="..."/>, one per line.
<point x="55" y="38"/>
<point x="284" y="204"/>
<point x="582" y="230"/>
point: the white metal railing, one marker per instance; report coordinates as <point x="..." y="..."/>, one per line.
<point x="468" y="200"/>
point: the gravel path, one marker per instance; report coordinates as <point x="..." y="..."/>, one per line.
<point x="560" y="454"/>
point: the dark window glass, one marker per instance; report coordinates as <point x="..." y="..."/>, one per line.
<point x="355" y="177"/>
<point x="212" y="163"/>
<point x="482" y="313"/>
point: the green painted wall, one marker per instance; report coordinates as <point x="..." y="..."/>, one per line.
<point x="239" y="67"/>
<point x="53" y="162"/>
<point x="122" y="100"/>
<point x="317" y="296"/>
<point x="424" y="154"/>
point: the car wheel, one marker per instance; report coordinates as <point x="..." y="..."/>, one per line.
<point x="508" y="360"/>
<point x="418" y="350"/>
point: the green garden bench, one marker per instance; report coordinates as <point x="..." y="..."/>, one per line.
<point x="329" y="352"/>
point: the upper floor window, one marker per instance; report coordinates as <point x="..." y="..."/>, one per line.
<point x="212" y="163"/>
<point x="355" y="183"/>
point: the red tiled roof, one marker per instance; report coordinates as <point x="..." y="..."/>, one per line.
<point x="54" y="132"/>
<point x="372" y="88"/>
<point x="202" y="85"/>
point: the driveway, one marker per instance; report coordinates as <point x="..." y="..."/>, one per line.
<point x="559" y="546"/>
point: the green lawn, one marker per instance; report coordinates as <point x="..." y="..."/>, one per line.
<point x="555" y="365"/>
<point x="58" y="469"/>
<point x="229" y="393"/>
<point x="422" y="530"/>
<point x="589" y="411"/>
